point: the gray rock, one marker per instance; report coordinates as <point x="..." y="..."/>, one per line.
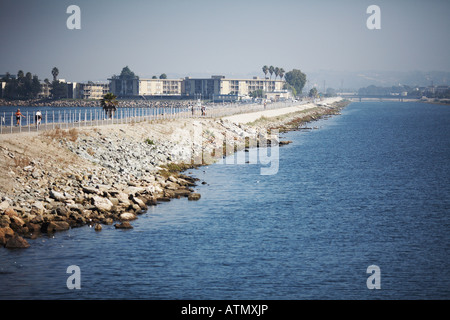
<point x="102" y="204"/>
<point x="4" y="205"/>
<point x="123" y="225"/>
<point x="92" y="190"/>
<point x="140" y="203"/>
<point x="57" y="195"/>
<point x="38" y="207"/>
<point x="194" y="196"/>
<point x="127" y="216"/>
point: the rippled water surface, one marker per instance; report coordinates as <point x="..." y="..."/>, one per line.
<point x="369" y="187"/>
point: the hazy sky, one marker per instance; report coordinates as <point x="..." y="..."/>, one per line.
<point x="229" y="37"/>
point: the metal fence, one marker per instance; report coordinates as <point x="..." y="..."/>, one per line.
<point x="69" y="118"/>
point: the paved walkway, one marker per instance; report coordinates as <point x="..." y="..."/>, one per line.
<point x="250" y="117"/>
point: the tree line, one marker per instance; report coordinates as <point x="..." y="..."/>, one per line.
<point x="295" y="79"/>
<point x="127" y="74"/>
<point x="28" y="86"/>
<point x="23" y="86"/>
<point x="273" y="70"/>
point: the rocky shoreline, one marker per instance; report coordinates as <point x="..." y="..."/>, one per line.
<point x="64" y="179"/>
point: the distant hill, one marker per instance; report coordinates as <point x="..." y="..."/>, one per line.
<point x="356" y="80"/>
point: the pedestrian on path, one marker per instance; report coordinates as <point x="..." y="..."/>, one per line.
<point x="18" y="116"/>
<point x="38" y="118"/>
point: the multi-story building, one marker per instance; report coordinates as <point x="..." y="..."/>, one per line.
<point x="77" y="90"/>
<point x="160" y="87"/>
<point x="146" y="87"/>
<point x="202" y="87"/>
<point x="436" y="89"/>
<point x="216" y="87"/>
<point x="122" y="87"/>
<point x="45" y="90"/>
<point x="91" y="90"/>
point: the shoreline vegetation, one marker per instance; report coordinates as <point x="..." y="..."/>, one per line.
<point x="61" y="179"/>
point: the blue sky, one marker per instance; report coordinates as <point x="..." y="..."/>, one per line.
<point x="232" y="38"/>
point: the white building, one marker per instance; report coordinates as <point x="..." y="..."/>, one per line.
<point x="216" y="87"/>
<point x="91" y="90"/>
<point x="160" y="87"/>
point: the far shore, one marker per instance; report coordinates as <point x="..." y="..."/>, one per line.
<point x="109" y="175"/>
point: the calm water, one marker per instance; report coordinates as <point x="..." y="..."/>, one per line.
<point x="370" y="187"/>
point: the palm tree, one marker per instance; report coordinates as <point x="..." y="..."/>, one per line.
<point x="55" y="73"/>
<point x="109" y="104"/>
<point x="265" y="69"/>
<point x="277" y="72"/>
<point x="281" y="73"/>
<point x="271" y="70"/>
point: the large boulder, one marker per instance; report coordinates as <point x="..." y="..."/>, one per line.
<point x="54" y="226"/>
<point x="4" y="221"/>
<point x="182" y="193"/>
<point x="4" y="205"/>
<point x="87" y="189"/>
<point x="34" y="229"/>
<point x="62" y="211"/>
<point x="10" y="212"/>
<point x="194" y="196"/>
<point x="171" y="185"/>
<point x="17" y="224"/>
<point x="57" y="195"/>
<point x="140" y="203"/>
<point x="123" y="225"/>
<point x="127" y="216"/>
<point x="5" y="234"/>
<point x="123" y="199"/>
<point x="17" y="241"/>
<point x="134" y="190"/>
<point x="37" y="208"/>
<point x="102" y="204"/>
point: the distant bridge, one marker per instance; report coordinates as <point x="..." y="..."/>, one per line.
<point x="358" y="97"/>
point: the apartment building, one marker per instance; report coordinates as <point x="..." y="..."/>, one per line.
<point x="91" y="90"/>
<point x="216" y="87"/>
<point x="124" y="87"/>
<point x="45" y="90"/>
<point x="160" y="87"/>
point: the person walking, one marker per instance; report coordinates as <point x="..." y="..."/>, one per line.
<point x="38" y="119"/>
<point x="18" y="116"/>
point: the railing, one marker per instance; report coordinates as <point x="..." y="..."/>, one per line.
<point x="69" y="118"/>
